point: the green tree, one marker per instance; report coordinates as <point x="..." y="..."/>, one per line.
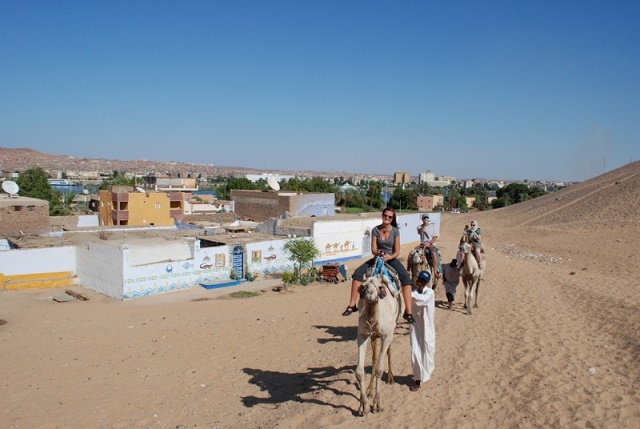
<point x="318" y="184"/>
<point x="303" y="251"/>
<point x="423" y="189"/>
<point x="401" y="199"/>
<point x="34" y="183"/>
<point x="481" y="202"/>
<point x="57" y="204"/>
<point x="374" y="195"/>
<point x="518" y="192"/>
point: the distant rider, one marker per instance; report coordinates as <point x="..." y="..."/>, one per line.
<point x="428" y="239"/>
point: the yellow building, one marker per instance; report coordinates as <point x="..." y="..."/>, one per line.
<point x="400" y="177"/>
<point x="119" y="206"/>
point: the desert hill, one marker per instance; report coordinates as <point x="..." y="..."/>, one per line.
<point x="613" y="197"/>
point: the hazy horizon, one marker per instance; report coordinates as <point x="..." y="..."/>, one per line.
<point x="496" y="90"/>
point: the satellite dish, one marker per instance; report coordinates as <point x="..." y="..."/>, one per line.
<point x="139" y="189"/>
<point x="273" y="183"/>
<point x="85" y="191"/>
<point x="10" y="187"/>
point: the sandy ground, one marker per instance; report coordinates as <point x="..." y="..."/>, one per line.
<point x="553" y="344"/>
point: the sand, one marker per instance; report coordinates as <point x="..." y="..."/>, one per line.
<point x="554" y="342"/>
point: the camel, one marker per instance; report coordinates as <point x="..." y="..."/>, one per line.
<point x="471" y="276"/>
<point x="416" y="262"/>
<point x="377" y="322"/>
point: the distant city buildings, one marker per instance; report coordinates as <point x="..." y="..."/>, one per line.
<point x="430" y="179"/>
<point x="264" y="176"/>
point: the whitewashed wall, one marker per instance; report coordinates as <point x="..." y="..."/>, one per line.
<point x="182" y="270"/>
<point x="268" y="257"/>
<point x="409" y="223"/>
<point x="206" y="260"/>
<point x="340" y="241"/>
<point x="35" y="261"/>
<point x="100" y="268"/>
<point x="146" y="268"/>
<point x="88" y="220"/>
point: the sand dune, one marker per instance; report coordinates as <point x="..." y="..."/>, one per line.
<point x="553" y="344"/>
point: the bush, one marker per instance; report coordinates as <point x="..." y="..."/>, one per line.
<point x="287" y="277"/>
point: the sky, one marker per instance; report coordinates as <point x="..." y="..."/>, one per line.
<point x="511" y="90"/>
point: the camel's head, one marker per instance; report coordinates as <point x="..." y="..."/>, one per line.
<point x="416" y="257"/>
<point x="465" y="248"/>
<point x="371" y="288"/>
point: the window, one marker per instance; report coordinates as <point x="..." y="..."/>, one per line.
<point x="158" y="206"/>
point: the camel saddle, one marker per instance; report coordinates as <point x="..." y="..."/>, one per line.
<point x="383" y="268"/>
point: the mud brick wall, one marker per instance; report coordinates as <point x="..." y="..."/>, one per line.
<point x="17" y="220"/>
<point x="257" y="205"/>
<point x="261" y="206"/>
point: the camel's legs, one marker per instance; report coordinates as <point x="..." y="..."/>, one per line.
<point x="375" y="352"/>
<point x="364" y="400"/>
<point x="469" y="292"/>
<point x="375" y="346"/>
<point x="389" y="371"/>
<point x="475" y="305"/>
<point x="386" y="342"/>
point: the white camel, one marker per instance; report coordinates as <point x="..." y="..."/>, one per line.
<point x="377" y="322"/>
<point x="471" y="276"/>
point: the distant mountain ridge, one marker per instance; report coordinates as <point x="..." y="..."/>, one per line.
<point x="20" y="159"/>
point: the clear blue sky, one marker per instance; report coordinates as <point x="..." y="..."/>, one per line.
<point x="538" y="90"/>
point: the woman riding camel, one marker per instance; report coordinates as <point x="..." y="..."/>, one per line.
<point x="385" y="243"/>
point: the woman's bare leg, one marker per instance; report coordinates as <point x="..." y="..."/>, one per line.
<point x="355" y="285"/>
<point x="406" y="295"/>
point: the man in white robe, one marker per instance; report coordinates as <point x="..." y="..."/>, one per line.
<point x="423" y="332"/>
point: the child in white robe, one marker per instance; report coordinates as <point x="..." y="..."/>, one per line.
<point x="423" y="332"/>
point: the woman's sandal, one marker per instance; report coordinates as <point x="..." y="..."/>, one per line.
<point x="409" y="318"/>
<point x="415" y="387"/>
<point x="350" y="309"/>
